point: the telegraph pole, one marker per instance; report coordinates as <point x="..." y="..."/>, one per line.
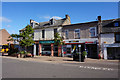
<point x="99" y="32"/>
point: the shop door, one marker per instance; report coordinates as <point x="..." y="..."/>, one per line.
<point x="37" y="49"/>
<point x="46" y="49"/>
<point x="92" y="51"/>
<point x="55" y="50"/>
<point x="113" y="52"/>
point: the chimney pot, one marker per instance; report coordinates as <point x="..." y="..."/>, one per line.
<point x="68" y="17"/>
<point x="99" y="18"/>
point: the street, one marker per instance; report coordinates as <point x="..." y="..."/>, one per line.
<point x="15" y="68"/>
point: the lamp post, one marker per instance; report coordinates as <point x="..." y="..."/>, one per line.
<point x="79" y="53"/>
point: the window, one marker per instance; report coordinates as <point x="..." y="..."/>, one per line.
<point x="32" y="24"/>
<point x="93" y="32"/>
<point x="117" y="37"/>
<point x="116" y="24"/>
<point x="66" y="34"/>
<point x="55" y="31"/>
<point x="77" y="34"/>
<point x="52" y="21"/>
<point x="43" y="33"/>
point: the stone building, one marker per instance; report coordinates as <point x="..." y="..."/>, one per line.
<point x="44" y="35"/>
<point x="95" y="35"/>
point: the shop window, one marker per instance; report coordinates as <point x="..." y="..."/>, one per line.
<point x="43" y="33"/>
<point x="66" y="34"/>
<point x="93" y="32"/>
<point x="117" y="37"/>
<point x="46" y="49"/>
<point x="77" y="33"/>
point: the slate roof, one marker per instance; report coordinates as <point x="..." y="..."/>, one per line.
<point x="47" y="24"/>
<point x="108" y="26"/>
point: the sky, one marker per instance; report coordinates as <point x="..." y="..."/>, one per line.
<point x="17" y="15"/>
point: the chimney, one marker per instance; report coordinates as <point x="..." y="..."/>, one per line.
<point x="99" y="18"/>
<point x="67" y="17"/>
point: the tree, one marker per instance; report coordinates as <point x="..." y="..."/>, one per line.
<point x="26" y="37"/>
<point x="58" y="40"/>
<point x="14" y="37"/>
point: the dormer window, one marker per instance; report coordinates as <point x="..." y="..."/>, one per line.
<point x="52" y="21"/>
<point x="116" y="24"/>
<point x="32" y="24"/>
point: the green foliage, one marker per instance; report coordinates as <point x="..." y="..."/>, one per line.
<point x="24" y="52"/>
<point x="84" y="53"/>
<point x="13" y="37"/>
<point x="58" y="39"/>
<point x="27" y="37"/>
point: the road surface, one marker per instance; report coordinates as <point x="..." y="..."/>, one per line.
<point x="15" y="68"/>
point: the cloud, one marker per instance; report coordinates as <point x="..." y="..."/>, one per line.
<point x="4" y="19"/>
<point x="45" y="17"/>
<point x="56" y="17"/>
<point x="49" y="17"/>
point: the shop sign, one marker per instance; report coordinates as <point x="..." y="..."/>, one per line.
<point x="75" y="41"/>
<point x="46" y="41"/>
<point x="111" y="45"/>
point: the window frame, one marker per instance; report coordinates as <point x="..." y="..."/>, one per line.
<point x="91" y="32"/>
<point x="56" y="31"/>
<point x="115" y="37"/>
<point x="43" y="33"/>
<point x="77" y="32"/>
<point x="67" y="36"/>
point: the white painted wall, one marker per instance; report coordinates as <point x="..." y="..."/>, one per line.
<point x="37" y="34"/>
<point x="108" y="38"/>
<point x="49" y="33"/>
<point x="60" y="30"/>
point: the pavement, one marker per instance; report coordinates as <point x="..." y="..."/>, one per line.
<point x="63" y="59"/>
<point x="67" y="60"/>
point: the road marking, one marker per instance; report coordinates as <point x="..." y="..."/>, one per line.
<point x="96" y="68"/>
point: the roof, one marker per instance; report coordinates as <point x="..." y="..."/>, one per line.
<point x="108" y="26"/>
<point x="80" y="23"/>
<point x="47" y="24"/>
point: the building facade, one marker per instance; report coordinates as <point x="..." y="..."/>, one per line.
<point x="81" y="36"/>
<point x="97" y="37"/>
<point x="44" y="36"/>
<point x="110" y="39"/>
<point x="4" y="37"/>
<point x="93" y="36"/>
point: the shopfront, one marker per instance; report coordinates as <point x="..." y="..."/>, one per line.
<point x="76" y="46"/>
<point x="111" y="51"/>
<point x="46" y="48"/>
